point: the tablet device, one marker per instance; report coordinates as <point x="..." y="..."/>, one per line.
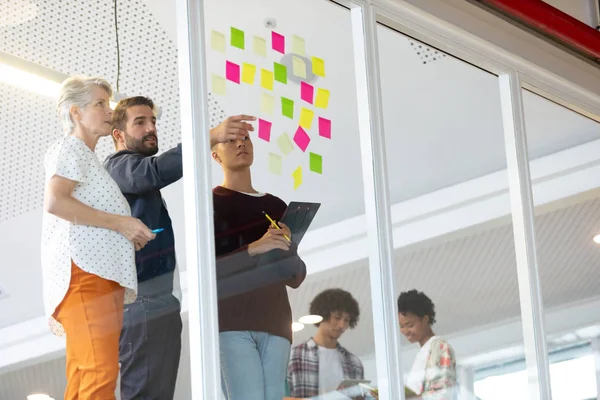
<point x="346" y="383"/>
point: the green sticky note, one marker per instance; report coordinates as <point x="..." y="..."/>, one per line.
<point x="287" y="107"/>
<point x="316" y="163"/>
<point x="285" y="144"/>
<point x="237" y="38"/>
<point x="280" y="72"/>
<point x="275" y="164"/>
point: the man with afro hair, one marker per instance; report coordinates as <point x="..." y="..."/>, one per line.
<point x="320" y="364"/>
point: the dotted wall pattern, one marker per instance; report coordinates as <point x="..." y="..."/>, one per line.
<point x="78" y="37"/>
<point x="25" y="135"/>
<point x="425" y="53"/>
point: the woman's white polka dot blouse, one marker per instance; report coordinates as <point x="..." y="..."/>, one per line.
<point x="99" y="251"/>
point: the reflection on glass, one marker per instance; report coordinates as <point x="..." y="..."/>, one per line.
<point x="563" y="151"/>
<point x="294" y="306"/>
<point x="455" y="267"/>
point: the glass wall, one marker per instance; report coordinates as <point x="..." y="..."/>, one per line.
<point x="454" y="254"/>
<point x="571" y="371"/>
<point x="291" y="65"/>
<point x="562" y="147"/>
<point x="286" y="305"/>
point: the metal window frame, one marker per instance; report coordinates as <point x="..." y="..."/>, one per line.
<point x="514" y="74"/>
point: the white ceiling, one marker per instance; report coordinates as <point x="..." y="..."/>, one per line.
<point x="442" y="124"/>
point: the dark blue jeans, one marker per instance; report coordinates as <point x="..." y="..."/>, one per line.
<point x="150" y="348"/>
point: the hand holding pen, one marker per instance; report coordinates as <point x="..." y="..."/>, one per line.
<point x="276" y="237"/>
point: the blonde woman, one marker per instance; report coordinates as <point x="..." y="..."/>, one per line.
<point x="88" y="243"/>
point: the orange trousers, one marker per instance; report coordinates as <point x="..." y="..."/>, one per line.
<point x="92" y="315"/>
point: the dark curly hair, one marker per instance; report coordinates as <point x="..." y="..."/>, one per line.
<point x="335" y="300"/>
<point x="416" y="303"/>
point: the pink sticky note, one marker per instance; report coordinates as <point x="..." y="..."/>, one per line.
<point x="325" y="127"/>
<point x="307" y="92"/>
<point x="232" y="72"/>
<point x="264" y="130"/>
<point x="301" y="138"/>
<point x="278" y="42"/>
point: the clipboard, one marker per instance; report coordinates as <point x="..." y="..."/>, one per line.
<point x="298" y="216"/>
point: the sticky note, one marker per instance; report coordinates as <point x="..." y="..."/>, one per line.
<point x="278" y="42"/>
<point x="248" y="72"/>
<point x="301" y="138"/>
<point x="287" y="107"/>
<point x="318" y="66"/>
<point x="260" y="46"/>
<point x="264" y="130"/>
<point x="218" y="85"/>
<point x="280" y="72"/>
<point x="237" y="38"/>
<point x="325" y="127"/>
<point x="299" y="67"/>
<point x="298" y="45"/>
<point x="266" y="79"/>
<point x="232" y="72"/>
<point x="307" y="92"/>
<point x="217" y="41"/>
<point x="322" y="99"/>
<point x="297" y="175"/>
<point x="306" y="118"/>
<point x="316" y="163"/>
<point x="275" y="164"/>
<point x="267" y="103"/>
<point x="285" y="144"/>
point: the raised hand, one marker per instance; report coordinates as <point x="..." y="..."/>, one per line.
<point x="233" y="128"/>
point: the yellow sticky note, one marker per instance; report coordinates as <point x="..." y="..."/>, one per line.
<point x="260" y="46"/>
<point x="217" y="41"/>
<point x="318" y="66"/>
<point x="218" y="85"/>
<point x="275" y="164"/>
<point x="306" y="118"/>
<point x="267" y="103"/>
<point x="298" y="45"/>
<point x="248" y="72"/>
<point x="322" y="99"/>
<point x="266" y="79"/>
<point x="299" y="67"/>
<point x="297" y="175"/>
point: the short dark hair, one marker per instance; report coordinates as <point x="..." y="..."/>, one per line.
<point x="416" y="303"/>
<point x="119" y="117"/>
<point x="335" y="300"/>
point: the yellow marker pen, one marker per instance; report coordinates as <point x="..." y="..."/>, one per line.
<point x="275" y="225"/>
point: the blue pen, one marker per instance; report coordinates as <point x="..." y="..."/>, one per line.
<point x="159" y="230"/>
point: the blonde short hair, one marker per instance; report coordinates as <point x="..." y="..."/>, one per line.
<point x="77" y="91"/>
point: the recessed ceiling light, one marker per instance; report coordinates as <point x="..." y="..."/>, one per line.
<point x="297" y="326"/>
<point x="597" y="238"/>
<point x="15" y="71"/>
<point x="311" y="319"/>
<point x="39" y="396"/>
